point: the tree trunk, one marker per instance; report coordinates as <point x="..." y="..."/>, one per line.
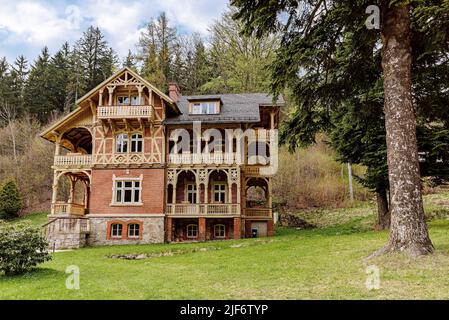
<point x="383" y="213"/>
<point x="408" y="227"/>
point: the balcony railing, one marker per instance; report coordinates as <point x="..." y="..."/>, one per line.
<point x="73" y="161"/>
<point x="258" y="170"/>
<point x="221" y="209"/>
<point x="203" y="158"/>
<point x="258" y="212"/>
<point x="69" y="209"/>
<point x="123" y="112"/>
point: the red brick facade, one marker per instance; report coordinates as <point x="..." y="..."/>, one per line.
<point x="152" y="191"/>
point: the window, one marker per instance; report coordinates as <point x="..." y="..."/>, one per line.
<point x="219" y="231"/>
<point x="127" y="191"/>
<point x="191" y="193"/>
<point x="192" y="231"/>
<point x="123" y="100"/>
<point x="136" y="142"/>
<point x="133" y="230"/>
<point x="121" y="145"/>
<point x="123" y="140"/>
<point x="116" y="230"/>
<point x="134" y="101"/>
<point x="205" y="107"/>
<point x="220" y="192"/>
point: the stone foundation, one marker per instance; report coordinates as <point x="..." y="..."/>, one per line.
<point x="67" y="233"/>
<point x="152" y="230"/>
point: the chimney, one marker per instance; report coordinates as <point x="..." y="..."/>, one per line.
<point x="173" y="91"/>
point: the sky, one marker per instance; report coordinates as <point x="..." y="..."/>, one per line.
<point x="26" y="26"/>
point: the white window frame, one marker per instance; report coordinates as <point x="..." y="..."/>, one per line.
<point x="134" y="235"/>
<point x="139" y="103"/>
<point x="133" y="189"/>
<point x="214" y="191"/>
<point x="193" y="192"/>
<point x="224" y="231"/>
<point x="120" y="142"/>
<point x="136" y="137"/>
<point x="130" y="138"/>
<point x="205" y="107"/>
<point x="196" y="231"/>
<point x="125" y="97"/>
<point x="119" y="227"/>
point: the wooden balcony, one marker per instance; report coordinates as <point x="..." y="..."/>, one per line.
<point x="195" y="210"/>
<point x="125" y="112"/>
<point x="67" y="209"/>
<point x="258" y="212"/>
<point x="258" y="170"/>
<point x="217" y="158"/>
<point x="73" y="161"/>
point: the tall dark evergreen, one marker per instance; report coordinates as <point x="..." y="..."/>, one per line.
<point x="130" y="61"/>
<point x="60" y="79"/>
<point x="38" y="95"/>
<point x="326" y="46"/>
<point x="95" y="60"/>
<point x="19" y="75"/>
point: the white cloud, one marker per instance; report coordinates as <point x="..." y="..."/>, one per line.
<point x="26" y="26"/>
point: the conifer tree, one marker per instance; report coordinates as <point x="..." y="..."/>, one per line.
<point x="322" y="41"/>
<point x="38" y="95"/>
<point x="10" y="200"/>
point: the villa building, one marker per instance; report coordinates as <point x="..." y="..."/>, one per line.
<point x="134" y="165"/>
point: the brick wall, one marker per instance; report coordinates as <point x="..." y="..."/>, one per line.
<point x="152" y="191"/>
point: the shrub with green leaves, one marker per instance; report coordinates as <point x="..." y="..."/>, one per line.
<point x="22" y="247"/>
<point x="10" y="200"/>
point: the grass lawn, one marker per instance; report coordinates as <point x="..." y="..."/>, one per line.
<point x="325" y="263"/>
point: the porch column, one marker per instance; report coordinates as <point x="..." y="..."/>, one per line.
<point x="100" y="98"/>
<point x="168" y="229"/>
<point x="270" y="197"/>
<point x="248" y="229"/>
<point x="54" y="196"/>
<point x="202" y="229"/>
<point x="72" y="189"/>
<point x="270" y="227"/>
<point x="237" y="228"/>
<point x="111" y="91"/>
<point x="272" y="115"/>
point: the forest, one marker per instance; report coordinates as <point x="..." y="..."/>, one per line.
<point x="34" y="94"/>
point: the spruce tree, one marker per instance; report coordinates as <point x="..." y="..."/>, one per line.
<point x="38" y="97"/>
<point x="95" y="60"/>
<point x="313" y="35"/>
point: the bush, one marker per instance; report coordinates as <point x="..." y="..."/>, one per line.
<point x="22" y="247"/>
<point x="10" y="200"/>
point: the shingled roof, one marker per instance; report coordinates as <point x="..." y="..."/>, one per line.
<point x="235" y="108"/>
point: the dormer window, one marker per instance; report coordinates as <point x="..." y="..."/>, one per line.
<point x="206" y="107"/>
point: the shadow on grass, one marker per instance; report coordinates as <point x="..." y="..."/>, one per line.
<point x="34" y="273"/>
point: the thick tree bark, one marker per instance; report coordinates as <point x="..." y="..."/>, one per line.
<point x="383" y="213"/>
<point x="408" y="227"/>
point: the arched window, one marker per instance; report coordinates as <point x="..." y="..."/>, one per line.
<point x="219" y="231"/>
<point x="121" y="143"/>
<point x="116" y="230"/>
<point x="133" y="230"/>
<point x="136" y="142"/>
<point x="192" y="231"/>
